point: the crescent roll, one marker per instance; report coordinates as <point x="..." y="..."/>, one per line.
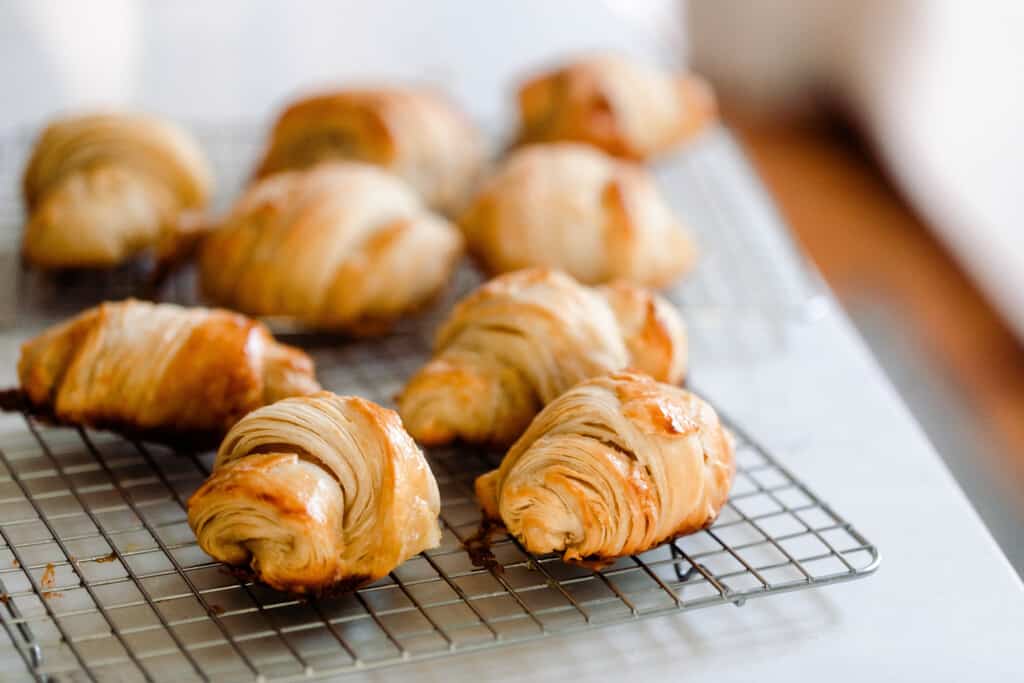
<point x="316" y="495"/>
<point x="571" y="207"/>
<point x="613" y="467"/>
<point x="343" y="246"/>
<point x="522" y="339"/>
<point x="101" y="188"/>
<point x="626" y="108"/>
<point x="183" y="375"/>
<point x="416" y="134"/>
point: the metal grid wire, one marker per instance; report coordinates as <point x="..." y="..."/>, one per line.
<point x="101" y="577"/>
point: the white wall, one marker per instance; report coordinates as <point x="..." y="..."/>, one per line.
<point x="202" y="60"/>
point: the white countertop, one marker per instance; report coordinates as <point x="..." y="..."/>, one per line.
<point x="945" y="604"/>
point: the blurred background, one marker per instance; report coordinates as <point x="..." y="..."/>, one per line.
<point x="889" y="134"/>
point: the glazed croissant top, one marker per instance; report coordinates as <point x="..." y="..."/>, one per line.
<point x="626" y="108"/>
<point x="613" y="467"/>
<point x="103" y="187"/>
<point x="317" y="494"/>
<point x="161" y="371"/>
<point x="571" y="207"/>
<point x="414" y="133"/>
<point x="342" y="246"/>
<point x="522" y="339"/>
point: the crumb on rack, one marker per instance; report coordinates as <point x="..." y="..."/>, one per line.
<point x="48" y="579"/>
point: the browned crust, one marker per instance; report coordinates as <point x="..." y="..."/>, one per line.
<point x="156" y="136"/>
<point x="570" y="103"/>
<point x="324" y="111"/>
<point x="389" y="427"/>
<point x="478" y="545"/>
<point x="372" y="326"/>
<point x="647" y="406"/>
<point x="620" y="231"/>
<point x="551" y="110"/>
<point x="370" y="107"/>
<point x="599" y="562"/>
<point x="214" y="378"/>
<point x="165" y="161"/>
<point x="380" y="249"/>
<point x="654" y="335"/>
<point x="375" y="326"/>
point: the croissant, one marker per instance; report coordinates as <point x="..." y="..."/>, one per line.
<point x="574" y="208"/>
<point x="416" y="134"/>
<point x="522" y="339"/>
<point x="613" y="467"/>
<point x="626" y="108"/>
<point x="343" y="246"/>
<point x="183" y="375"/>
<point x="101" y="188"/>
<point x="317" y="494"/>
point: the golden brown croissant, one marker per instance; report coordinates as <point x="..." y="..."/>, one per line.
<point x="613" y="467"/>
<point x="101" y="188"/>
<point x="183" y="375"/>
<point x="626" y="108"/>
<point x="522" y="339"/>
<point x="342" y="246"/>
<point x="416" y="134"/>
<point x="571" y="207"/>
<point x="317" y="494"/>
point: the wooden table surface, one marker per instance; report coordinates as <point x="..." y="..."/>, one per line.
<point x="869" y="244"/>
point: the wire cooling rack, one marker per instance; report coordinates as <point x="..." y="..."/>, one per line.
<point x="101" y="577"/>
